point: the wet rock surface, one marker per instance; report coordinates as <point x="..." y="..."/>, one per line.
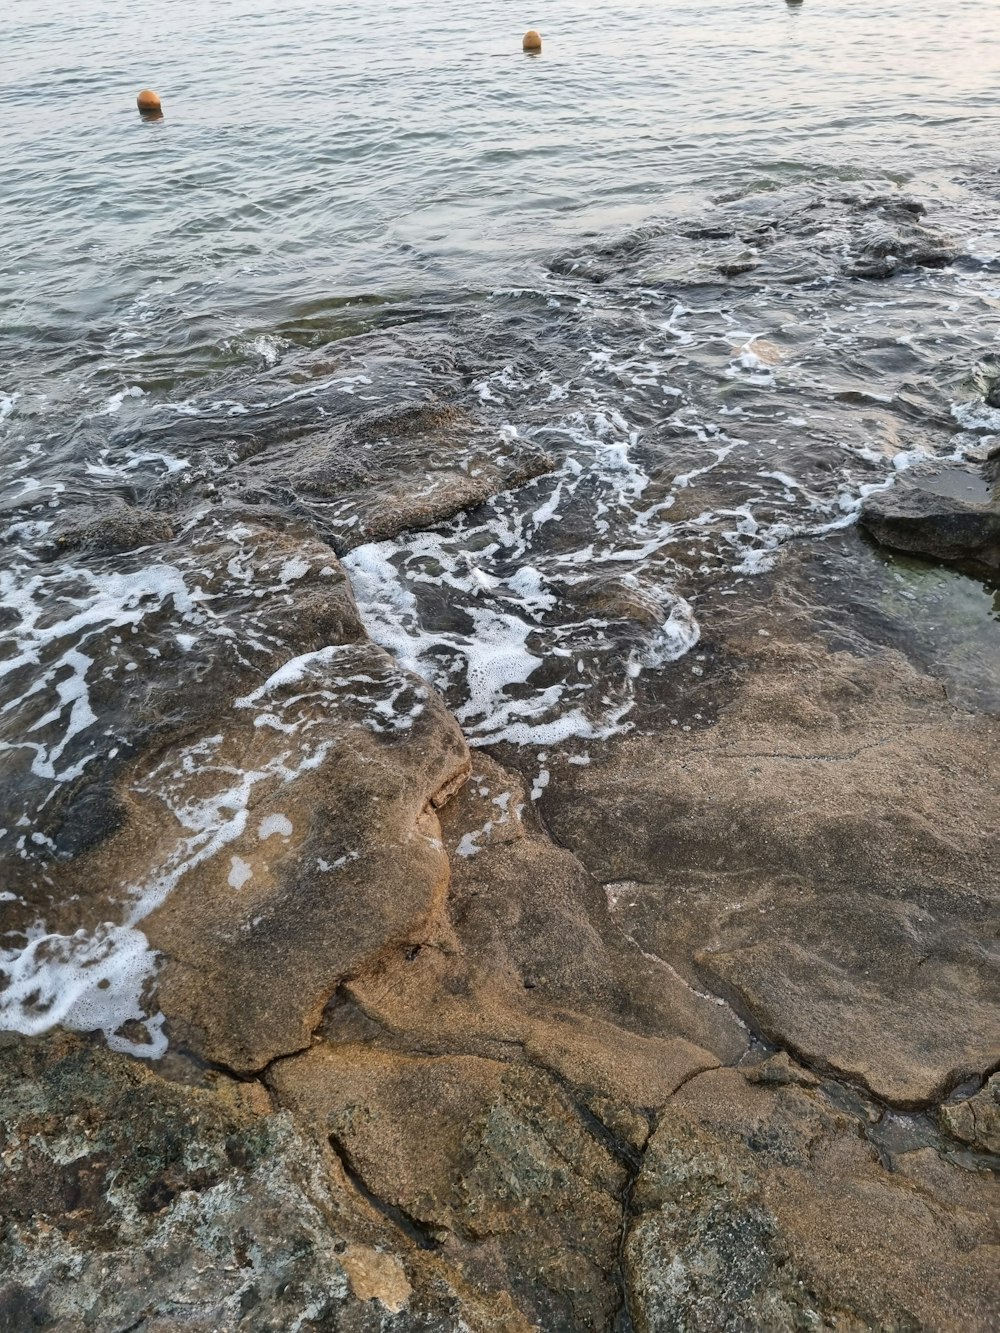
<point x="544" y="856"/>
<point x="976" y="1120"/>
<point x="389" y="471"/>
<point x="272" y="767"/>
<point x="953" y="515"/>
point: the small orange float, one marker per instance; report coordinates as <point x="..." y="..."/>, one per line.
<point x="148" y="102"/>
<point x="532" y="41"/>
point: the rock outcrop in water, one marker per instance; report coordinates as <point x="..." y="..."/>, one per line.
<point x="685" y="1015"/>
<point x="388" y="471"/>
<point x="932" y="517"/>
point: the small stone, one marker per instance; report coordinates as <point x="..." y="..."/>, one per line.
<point x="781" y="1071"/>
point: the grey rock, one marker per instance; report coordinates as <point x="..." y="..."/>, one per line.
<point x="129" y="1202"/>
<point x="976" y="1120"/>
<point x="385" y="472"/>
<point x="121" y="528"/>
<point x="923" y="519"/>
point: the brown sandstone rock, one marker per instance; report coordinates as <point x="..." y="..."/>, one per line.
<point x="491" y="1161"/>
<point x="270" y="815"/>
<point x="760" y="1207"/>
<point x="523" y="965"/>
<point x="816" y="852"/>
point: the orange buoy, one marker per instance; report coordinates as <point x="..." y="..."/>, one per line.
<point x="532" y="41"/>
<point x="148" y="102"/>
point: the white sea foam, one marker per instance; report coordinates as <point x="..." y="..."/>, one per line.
<point x="114" y="403"/>
<point x="102" y="978"/>
<point x="82" y="981"/>
<point x="104" y="601"/>
<point x="239" y="872"/>
<point x="674" y="638"/>
<point x="977" y="416"/>
<point x="274" y="824"/>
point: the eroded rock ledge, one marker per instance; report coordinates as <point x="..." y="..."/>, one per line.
<point x="697" y="1037"/>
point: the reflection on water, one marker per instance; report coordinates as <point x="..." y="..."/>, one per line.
<point x="410" y="147"/>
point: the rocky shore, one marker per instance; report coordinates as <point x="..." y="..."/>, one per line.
<point x="692" y="1024"/>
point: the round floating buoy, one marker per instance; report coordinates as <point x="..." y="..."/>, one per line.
<point x="532" y="41"/>
<point x="148" y="102"/>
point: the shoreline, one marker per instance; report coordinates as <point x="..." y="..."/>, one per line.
<point x="677" y="1014"/>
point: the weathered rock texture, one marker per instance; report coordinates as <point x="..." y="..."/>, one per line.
<point x="933" y="518"/>
<point x="761" y="1207"/>
<point x="129" y="1202"/>
<point x="976" y="1120"/>
<point x="815" y="857"/>
<point x="270" y="814"/>
<point x="698" y="1033"/>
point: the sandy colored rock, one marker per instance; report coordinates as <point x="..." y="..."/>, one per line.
<point x="531" y="910"/>
<point x="490" y="1161"/>
<point x="832" y="881"/>
<point x="267" y="817"/>
<point x="376" y="1277"/>
<point x="975" y="1120"/>
<point x="760" y="1207"/>
<point x="780" y="1070"/>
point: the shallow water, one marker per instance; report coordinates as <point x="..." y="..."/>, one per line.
<point x="650" y="251"/>
<point x="311" y="156"/>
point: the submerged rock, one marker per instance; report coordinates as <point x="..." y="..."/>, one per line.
<point x="265" y="821"/>
<point x="121" y="528"/>
<point x="384" y="472"/>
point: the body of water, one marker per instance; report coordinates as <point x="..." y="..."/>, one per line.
<point x="732" y="268"/>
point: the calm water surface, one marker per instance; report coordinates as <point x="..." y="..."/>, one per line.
<point x="310" y="154"/>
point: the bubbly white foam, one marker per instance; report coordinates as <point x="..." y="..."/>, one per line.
<point x="83" y="981"/>
<point x="114" y="403"/>
<point x="274" y="824"/>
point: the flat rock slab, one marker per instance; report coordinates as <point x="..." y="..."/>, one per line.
<point x="823" y="857"/>
<point x="953" y="515"/>
<point x="767" y="1207"/>
<point x="130" y="1202"/>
